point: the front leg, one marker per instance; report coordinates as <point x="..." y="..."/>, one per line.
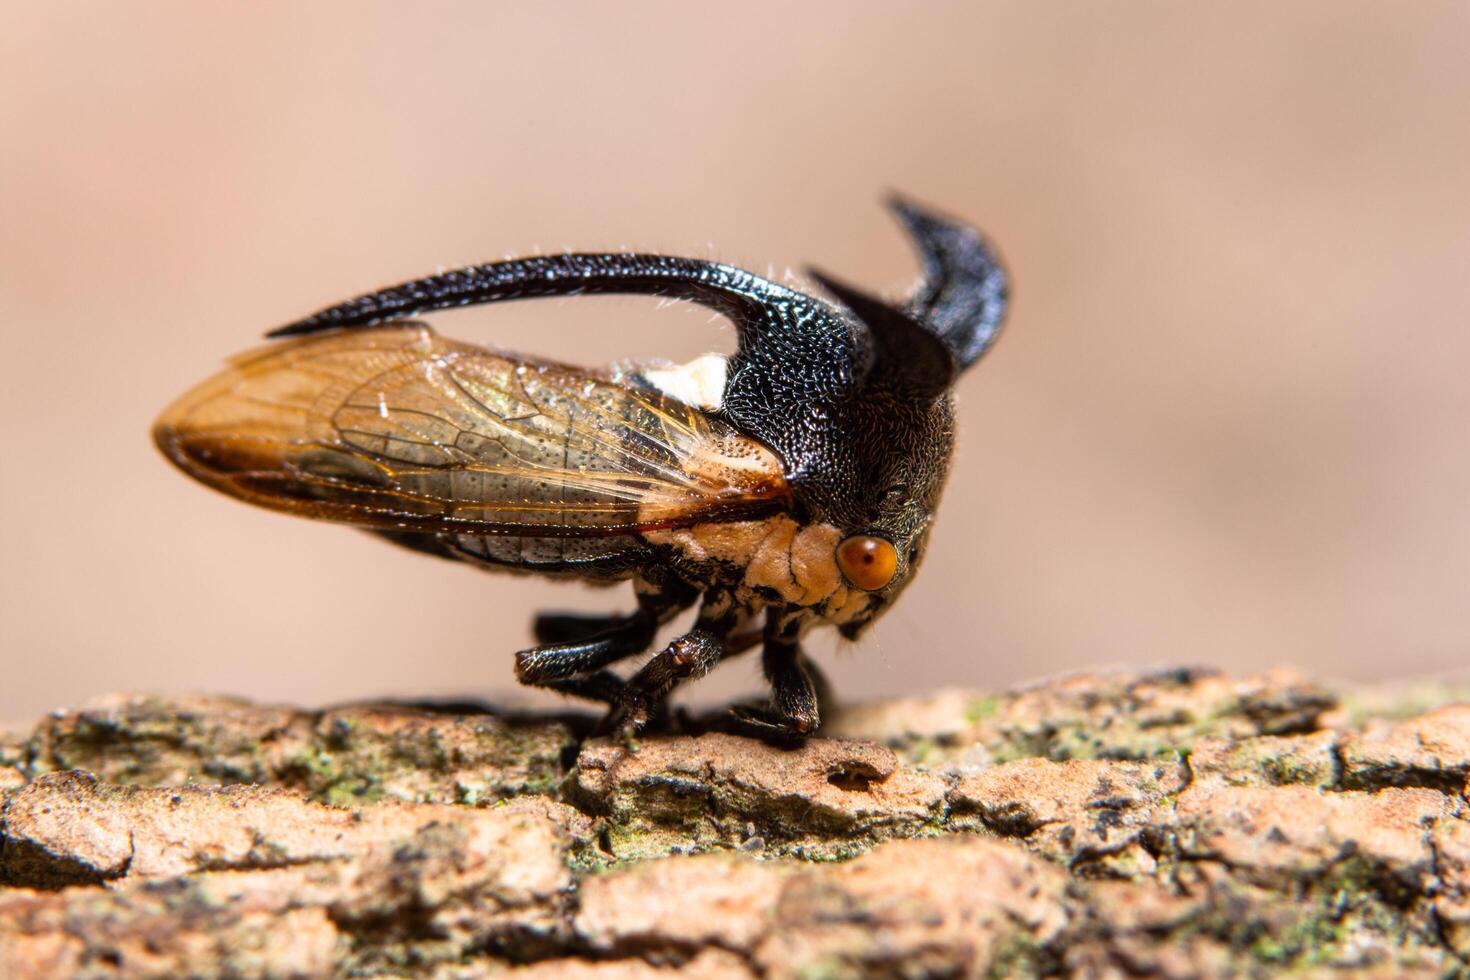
<point x="794" y="698"/>
<point x="797" y="688"/>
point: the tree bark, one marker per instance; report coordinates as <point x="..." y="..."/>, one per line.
<point x="1180" y="823"/>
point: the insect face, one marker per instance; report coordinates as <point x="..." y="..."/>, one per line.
<point x="796" y="479"/>
<point x="902" y="454"/>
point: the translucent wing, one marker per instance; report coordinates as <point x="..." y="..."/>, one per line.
<point x="396" y="428"/>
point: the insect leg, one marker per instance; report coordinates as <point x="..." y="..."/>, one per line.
<point x="622" y="637"/>
<point x="559" y="661"/>
<point x="604" y="686"/>
<point x="692" y="655"/>
<point x="819" y="681"/>
<point x="689" y="656"/>
<point x="794" y="697"/>
<point x="566" y="627"/>
<point x="797" y="687"/>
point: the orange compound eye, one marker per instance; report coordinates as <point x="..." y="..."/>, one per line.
<point x="869" y="563"/>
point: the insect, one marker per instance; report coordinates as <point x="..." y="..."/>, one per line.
<point x="788" y="485"/>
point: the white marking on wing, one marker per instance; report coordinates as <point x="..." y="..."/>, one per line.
<point x="699" y="384"/>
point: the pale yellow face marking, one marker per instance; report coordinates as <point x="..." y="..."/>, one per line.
<point x="798" y="563"/>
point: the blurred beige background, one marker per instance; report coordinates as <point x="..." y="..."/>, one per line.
<point x="1227" y="424"/>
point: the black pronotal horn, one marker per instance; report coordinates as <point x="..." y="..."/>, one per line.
<point x="748" y="300"/>
<point x="964" y="292"/>
<point x="904" y="348"/>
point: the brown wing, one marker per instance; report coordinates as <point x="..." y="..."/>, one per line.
<point x="395" y="428"/>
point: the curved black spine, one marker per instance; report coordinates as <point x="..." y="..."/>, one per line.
<point x="965" y="290"/>
<point x="747" y="299"/>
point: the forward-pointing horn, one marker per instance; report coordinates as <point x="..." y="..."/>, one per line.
<point x="964" y="293"/>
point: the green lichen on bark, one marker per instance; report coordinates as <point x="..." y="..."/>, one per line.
<point x="1179" y="823"/>
<point x="355" y="754"/>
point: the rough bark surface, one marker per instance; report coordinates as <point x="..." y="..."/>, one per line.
<point x="1172" y="824"/>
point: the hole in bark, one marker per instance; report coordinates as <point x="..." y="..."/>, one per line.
<point x="852" y="780"/>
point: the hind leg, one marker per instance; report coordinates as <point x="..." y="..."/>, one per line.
<point x="576" y="665"/>
<point x="554" y="628"/>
